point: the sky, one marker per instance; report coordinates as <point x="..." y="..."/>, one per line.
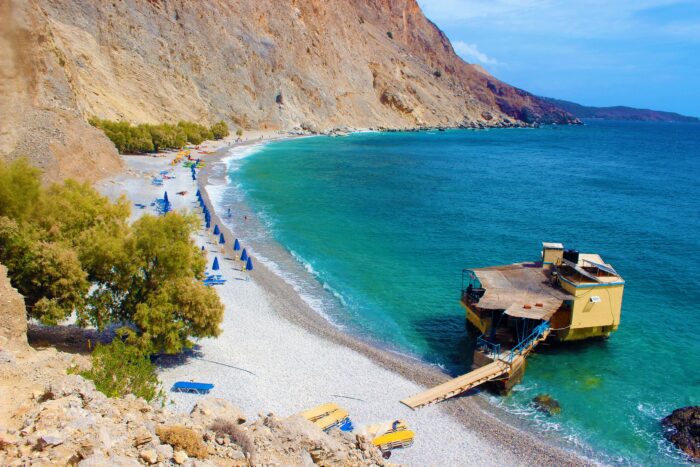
<point x="640" y="53"/>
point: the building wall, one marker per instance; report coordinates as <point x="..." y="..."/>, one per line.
<point x="586" y="314"/>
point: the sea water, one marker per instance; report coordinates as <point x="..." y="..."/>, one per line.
<point x="374" y="229"/>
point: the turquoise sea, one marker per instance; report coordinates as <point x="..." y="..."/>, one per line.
<point x="374" y="229"/>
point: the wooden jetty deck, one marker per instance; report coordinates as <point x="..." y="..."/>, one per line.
<point x="503" y="365"/>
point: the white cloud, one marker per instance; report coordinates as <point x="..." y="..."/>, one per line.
<point x="471" y="53"/>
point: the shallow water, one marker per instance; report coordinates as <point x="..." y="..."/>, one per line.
<point x="374" y="229"/>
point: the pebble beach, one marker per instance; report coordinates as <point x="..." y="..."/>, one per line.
<point x="275" y="354"/>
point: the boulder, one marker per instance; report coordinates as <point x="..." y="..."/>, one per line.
<point x="211" y="407"/>
<point x="149" y="456"/>
<point x="546" y="404"/>
<point x="13" y="316"/>
<point x="180" y="457"/>
<point x="683" y="430"/>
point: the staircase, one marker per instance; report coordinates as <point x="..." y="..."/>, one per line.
<point x="502" y="365"/>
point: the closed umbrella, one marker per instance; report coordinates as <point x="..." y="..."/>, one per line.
<point x="236" y="245"/>
<point x="199" y="194"/>
<point x="249" y="264"/>
<point x="215" y="266"/>
<point x="208" y="223"/>
<point x="222" y="240"/>
<point x="216" y="229"/>
<point x="244" y="255"/>
<point x="165" y="197"/>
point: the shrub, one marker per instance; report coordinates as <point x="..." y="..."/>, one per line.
<point x="183" y="439"/>
<point x="239" y="132"/>
<point x="119" y="369"/>
<point x="389" y="35"/>
<point x="220" y="130"/>
<point x="138" y="139"/>
<point x="437" y="73"/>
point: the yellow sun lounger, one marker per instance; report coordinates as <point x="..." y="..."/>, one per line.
<point x="397" y="439"/>
<point x="333" y="419"/>
<point x="319" y="412"/>
<point x="378" y="429"/>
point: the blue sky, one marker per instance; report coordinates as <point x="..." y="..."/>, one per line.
<point x="641" y="53"/>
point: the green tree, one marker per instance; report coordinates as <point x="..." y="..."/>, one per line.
<point x="19" y="188"/>
<point x="220" y="130"/>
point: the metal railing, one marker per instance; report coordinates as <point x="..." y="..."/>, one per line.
<point x="488" y="348"/>
<point x="525" y="343"/>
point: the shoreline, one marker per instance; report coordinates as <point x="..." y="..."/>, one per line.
<point x="474" y="413"/>
<point x="314" y="359"/>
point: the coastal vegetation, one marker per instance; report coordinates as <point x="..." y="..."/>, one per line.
<point x="72" y="253"/>
<point x="119" y="369"/>
<point x="136" y="139"/>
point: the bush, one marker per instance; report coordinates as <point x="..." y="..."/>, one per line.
<point x="119" y="369"/>
<point x="220" y="130"/>
<point x="183" y="439"/>
<point x="236" y="432"/>
<point x="143" y="138"/>
<point x="389" y="35"/>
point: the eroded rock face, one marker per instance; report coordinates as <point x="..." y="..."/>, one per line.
<point x="683" y="430"/>
<point x="268" y="64"/>
<point x="13" y="316"/>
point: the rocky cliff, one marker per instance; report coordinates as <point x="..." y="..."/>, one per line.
<point x="264" y="64"/>
<point x="50" y="417"/>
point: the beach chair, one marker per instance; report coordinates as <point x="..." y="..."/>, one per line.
<point x="192" y="387"/>
<point x="334" y="419"/>
<point x="320" y="411"/>
<point x="378" y="429"/>
<point x="394" y="440"/>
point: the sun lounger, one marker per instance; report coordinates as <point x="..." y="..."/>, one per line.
<point x="395" y="440"/>
<point x="334" y="419"/>
<point x="210" y="282"/>
<point x="318" y="412"/>
<point x="378" y="429"/>
<point x="192" y="387"/>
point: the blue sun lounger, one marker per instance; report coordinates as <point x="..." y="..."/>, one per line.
<point x="193" y="388"/>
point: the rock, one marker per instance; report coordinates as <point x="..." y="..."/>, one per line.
<point x="683" y="430"/>
<point x="220" y="408"/>
<point x="13" y="317"/>
<point x="180" y="457"/>
<point x="149" y="455"/>
<point x="142" y="437"/>
<point x="546" y="404"/>
<point x="165" y="452"/>
<point x="49" y="440"/>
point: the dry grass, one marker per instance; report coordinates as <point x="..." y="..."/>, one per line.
<point x="183" y="439"/>
<point x="235" y="432"/>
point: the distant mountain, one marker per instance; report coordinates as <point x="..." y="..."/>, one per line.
<point x="619" y="112"/>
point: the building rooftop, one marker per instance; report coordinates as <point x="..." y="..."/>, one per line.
<point x="523" y="290"/>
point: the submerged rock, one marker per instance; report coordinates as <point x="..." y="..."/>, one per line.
<point x="683" y="430"/>
<point x="545" y="403"/>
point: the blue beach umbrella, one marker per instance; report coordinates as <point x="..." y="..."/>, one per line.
<point x="194" y="177"/>
<point x="165" y="197"/>
<point x="222" y="240"/>
<point x="215" y="266"/>
<point x="202" y="247"/>
<point x="249" y="264"/>
<point x="216" y="230"/>
<point x="244" y="255"/>
<point x="236" y="245"/>
<point x="208" y="223"/>
<point x="199" y="195"/>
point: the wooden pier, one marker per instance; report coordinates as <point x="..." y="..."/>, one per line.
<point x="503" y="366"/>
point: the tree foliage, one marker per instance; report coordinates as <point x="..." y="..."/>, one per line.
<point x="136" y="139"/>
<point x="71" y="250"/>
<point x="119" y="369"/>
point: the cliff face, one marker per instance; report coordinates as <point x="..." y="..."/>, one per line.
<point x="275" y="64"/>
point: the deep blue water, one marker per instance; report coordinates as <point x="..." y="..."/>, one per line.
<point x="383" y="224"/>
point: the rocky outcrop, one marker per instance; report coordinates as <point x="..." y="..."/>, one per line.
<point x="266" y="64"/>
<point x="65" y="421"/>
<point x="13" y="316"/>
<point x="683" y="430"/>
